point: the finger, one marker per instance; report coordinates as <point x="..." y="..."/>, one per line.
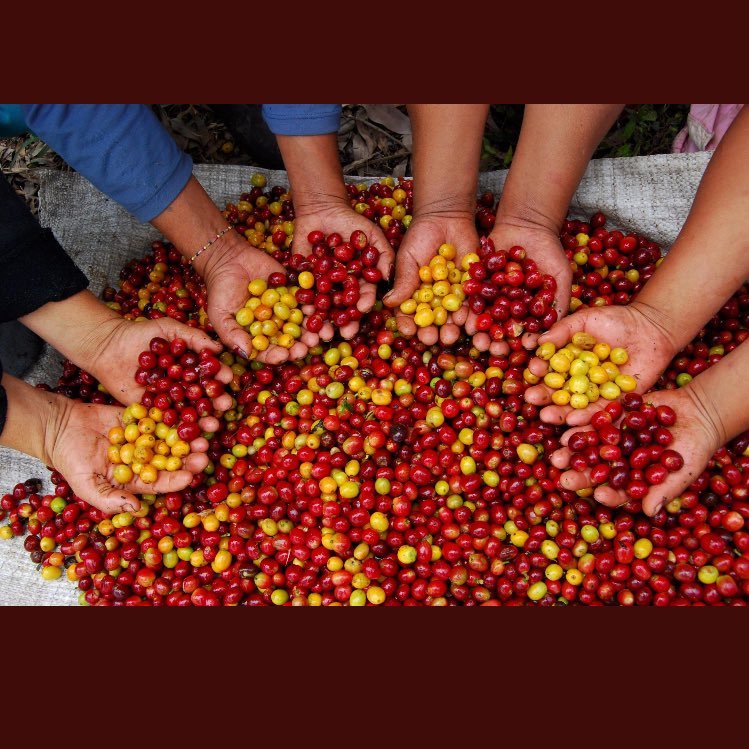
<point x="538" y="367"/>
<point x="327" y="331"/>
<point x="561" y="458"/>
<point x="225" y="374"/>
<point x="349" y="330"/>
<point x="578" y="416"/>
<point x="100" y="492"/>
<point x="481" y="340"/>
<point x="308" y="339"/>
<point x="499" y="348"/>
<point x="575" y="480"/>
<point x="167" y="481"/>
<point x="552" y="414"/>
<point x="540" y="395"/>
<point x="448" y="334"/>
<point x="223" y="402"/>
<point x="405" y="323"/>
<point x="367" y="296"/>
<point x="429" y="335"/>
<point x="273" y="355"/>
<point x="565" y="438"/>
<point x="562" y="331"/>
<point x="460" y="316"/>
<point x="609" y="496"/>
<point x="199" y="444"/>
<point x="660" y="494"/>
<point x="530" y="340"/>
<point x="406" y="279"/>
<point x="298" y="351"/>
<point x="470" y="324"/>
<point x="196" y="462"/>
<point x="387" y="254"/>
<point x="234" y="337"/>
<point x="209" y="424"/>
<point x="195" y="338"/>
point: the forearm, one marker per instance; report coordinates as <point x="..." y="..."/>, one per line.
<point x="710" y="258"/>
<point x="314" y="170"/>
<point x="447" y="149"/>
<point x="192" y="220"/>
<point x="555" y="145"/>
<point x="76" y="326"/>
<point x="29" y="413"/>
<point x="722" y="392"/>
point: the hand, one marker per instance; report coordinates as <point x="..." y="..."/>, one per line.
<point x="114" y="360"/>
<point x="696" y="437"/>
<point x="635" y="327"/>
<point x="227" y="272"/>
<point x="341" y="218"/>
<point x="76" y="445"/>
<point x="419" y="246"/>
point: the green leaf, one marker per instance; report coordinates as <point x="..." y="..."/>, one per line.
<point x="623" y="150"/>
<point x="508" y="157"/>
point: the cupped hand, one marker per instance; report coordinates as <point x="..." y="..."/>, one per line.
<point x="227" y="273"/>
<point x="696" y="437"/>
<point x="419" y="246"/>
<point x="340" y="218"/>
<point x="634" y="327"/>
<point x="115" y="361"/>
<point x="76" y="445"/>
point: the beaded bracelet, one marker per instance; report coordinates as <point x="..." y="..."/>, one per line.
<point x="206" y="246"/>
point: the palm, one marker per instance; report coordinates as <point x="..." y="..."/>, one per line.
<point x="418" y="248"/>
<point x="344" y="221"/>
<point x="79" y="452"/>
<point x="226" y="281"/>
<point x="648" y="348"/>
<point x="117" y="360"/>
<point x="695" y="439"/>
<point x="544" y="247"/>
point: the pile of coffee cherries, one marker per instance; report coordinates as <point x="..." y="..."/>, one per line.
<point x="440" y="291"/>
<point x="271" y="315"/>
<point x="583" y="371"/>
<point x="381" y="471"/>
<point x="507" y="292"/>
<point x="633" y="455"/>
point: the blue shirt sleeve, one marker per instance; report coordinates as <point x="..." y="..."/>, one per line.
<point x="121" y="148"/>
<point x="302" y="119"/>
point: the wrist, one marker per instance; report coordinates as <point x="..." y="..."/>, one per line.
<point x="529" y="214"/>
<point x="29" y="419"/>
<point x="662" y="326"/>
<point x="707" y="410"/>
<point x="77" y="327"/>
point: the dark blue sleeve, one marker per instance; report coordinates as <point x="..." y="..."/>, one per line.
<point x="302" y="119"/>
<point x="121" y="148"/>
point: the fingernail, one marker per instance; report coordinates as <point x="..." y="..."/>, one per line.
<point x="129" y="508"/>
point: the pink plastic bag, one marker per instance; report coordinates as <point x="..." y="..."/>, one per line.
<point x="706" y="125"/>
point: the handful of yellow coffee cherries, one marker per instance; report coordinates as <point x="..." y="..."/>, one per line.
<point x="583" y="371"/>
<point x="441" y="289"/>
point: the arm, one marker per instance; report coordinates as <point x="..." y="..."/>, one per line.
<point x="72" y="437"/>
<point x="447" y="148"/>
<point x="677" y="300"/>
<point x="555" y="145"/>
<point x="307" y="139"/>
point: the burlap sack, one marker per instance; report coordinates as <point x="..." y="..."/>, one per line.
<point x="649" y="195"/>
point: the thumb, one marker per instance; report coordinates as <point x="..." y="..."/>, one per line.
<point x="406" y="281"/>
<point x="561" y="332"/>
<point x="97" y="490"/>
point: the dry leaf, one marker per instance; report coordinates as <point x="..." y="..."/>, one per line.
<point x="389" y="116"/>
<point x="359" y="148"/>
